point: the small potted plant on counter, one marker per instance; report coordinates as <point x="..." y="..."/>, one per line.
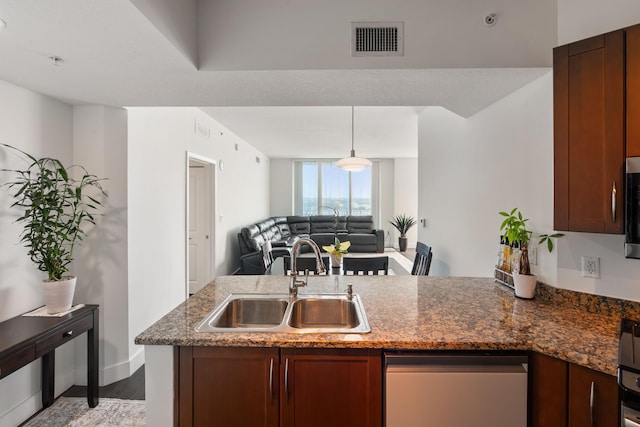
<point x="55" y="207"/>
<point x="402" y="223"/>
<point x="514" y="227"/>
<point x="336" y="251"/>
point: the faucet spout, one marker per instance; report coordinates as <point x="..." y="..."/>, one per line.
<point x="320" y="268"/>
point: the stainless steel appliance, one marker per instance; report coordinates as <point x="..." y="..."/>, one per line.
<point x="443" y="390"/>
<point x="632" y="208"/>
<point x="629" y="372"/>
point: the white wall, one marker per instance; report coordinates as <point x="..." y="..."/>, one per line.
<point x="281" y="187"/>
<point x="405" y="198"/>
<point x="43" y="127"/>
<point x="580" y="19"/>
<point x="159" y="139"/>
<point x="470" y="169"/>
<point x="100" y="144"/>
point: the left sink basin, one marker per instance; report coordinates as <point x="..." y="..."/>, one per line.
<point x="248" y="312"/>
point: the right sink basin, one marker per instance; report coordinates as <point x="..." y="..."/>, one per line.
<point x="324" y="313"/>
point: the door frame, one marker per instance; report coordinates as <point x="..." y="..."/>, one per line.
<point x="213" y="181"/>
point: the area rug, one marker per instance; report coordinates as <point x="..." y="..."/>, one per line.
<point x="75" y="412"/>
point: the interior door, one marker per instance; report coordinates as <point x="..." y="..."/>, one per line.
<point x="199" y="225"/>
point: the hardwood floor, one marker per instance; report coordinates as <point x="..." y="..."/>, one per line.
<point x="131" y="388"/>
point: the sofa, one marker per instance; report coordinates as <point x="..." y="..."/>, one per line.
<point x="284" y="231"/>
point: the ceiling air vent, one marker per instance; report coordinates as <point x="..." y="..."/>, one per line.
<point x="377" y="38"/>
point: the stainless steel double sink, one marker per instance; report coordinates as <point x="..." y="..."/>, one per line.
<point x="317" y="313"/>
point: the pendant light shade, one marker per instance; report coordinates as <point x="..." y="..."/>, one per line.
<point x="353" y="163"/>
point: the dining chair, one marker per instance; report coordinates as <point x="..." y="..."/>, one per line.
<point x="303" y="264"/>
<point x="422" y="261"/>
<point x="365" y="265"/>
<point x="267" y="254"/>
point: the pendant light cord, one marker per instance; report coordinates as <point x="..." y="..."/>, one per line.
<point x="353" y="151"/>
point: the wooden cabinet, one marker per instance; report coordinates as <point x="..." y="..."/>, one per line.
<point x="271" y="387"/>
<point x="589" y="138"/>
<point x="547" y="391"/>
<point x="564" y="394"/>
<point x="228" y="387"/>
<point x="593" y="398"/>
<point x="632" y="80"/>
<point x="331" y="388"/>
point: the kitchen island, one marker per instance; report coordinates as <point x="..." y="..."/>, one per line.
<point x="405" y="313"/>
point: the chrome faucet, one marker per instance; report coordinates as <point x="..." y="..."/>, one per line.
<point x="320" y="268"/>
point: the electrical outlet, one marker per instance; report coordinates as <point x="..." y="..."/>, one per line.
<point x="533" y="255"/>
<point x="591" y="267"/>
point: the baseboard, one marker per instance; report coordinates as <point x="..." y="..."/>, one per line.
<point x="22" y="412"/>
<point x="113" y="373"/>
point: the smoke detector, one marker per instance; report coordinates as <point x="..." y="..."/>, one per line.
<point x="490" y="20"/>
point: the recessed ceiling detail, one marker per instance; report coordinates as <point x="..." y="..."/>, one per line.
<point x="377" y="39"/>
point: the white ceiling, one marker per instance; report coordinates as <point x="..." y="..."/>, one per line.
<point x="253" y="54"/>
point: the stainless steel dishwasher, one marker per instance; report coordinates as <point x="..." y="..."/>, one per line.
<point x="454" y="390"/>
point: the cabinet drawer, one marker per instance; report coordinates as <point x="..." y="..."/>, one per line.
<point x="61" y="336"/>
<point x="17" y="360"/>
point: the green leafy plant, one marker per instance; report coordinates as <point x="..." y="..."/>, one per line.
<point x="402" y="223"/>
<point x="55" y="208"/>
<point x="514" y="227"/>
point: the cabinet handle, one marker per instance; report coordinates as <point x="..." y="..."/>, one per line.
<point x="591" y="401"/>
<point x="286" y="377"/>
<point x="271" y="377"/>
<point x="613" y="202"/>
<point x="67" y="334"/>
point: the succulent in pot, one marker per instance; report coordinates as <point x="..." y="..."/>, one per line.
<point x="55" y="208"/>
<point x="402" y="223"/>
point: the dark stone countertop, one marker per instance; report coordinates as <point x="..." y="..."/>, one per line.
<point x="418" y="312"/>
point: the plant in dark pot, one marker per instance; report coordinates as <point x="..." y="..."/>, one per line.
<point x="402" y="223"/>
<point x="514" y="227"/>
<point x="55" y="208"/>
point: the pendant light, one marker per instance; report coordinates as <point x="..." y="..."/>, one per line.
<point x="353" y="163"/>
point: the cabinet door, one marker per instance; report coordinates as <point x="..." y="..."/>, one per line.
<point x="328" y="387"/>
<point x="593" y="398"/>
<point x="632" y="77"/>
<point x="547" y="391"/>
<point x="589" y="134"/>
<point x="230" y="387"/>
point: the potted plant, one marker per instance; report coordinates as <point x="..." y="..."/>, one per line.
<point x="402" y="223"/>
<point x="55" y="207"/>
<point x="336" y="251"/>
<point x="514" y="227"/>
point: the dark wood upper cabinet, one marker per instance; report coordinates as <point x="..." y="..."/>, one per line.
<point x="589" y="137"/>
<point x="633" y="90"/>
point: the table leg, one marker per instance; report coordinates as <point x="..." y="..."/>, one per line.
<point x="92" y="362"/>
<point x="48" y="373"/>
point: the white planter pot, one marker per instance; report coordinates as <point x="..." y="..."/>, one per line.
<point x="58" y="294"/>
<point x="335" y="260"/>
<point x="525" y="285"/>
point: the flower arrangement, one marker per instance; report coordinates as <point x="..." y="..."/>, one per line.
<point x="338" y="248"/>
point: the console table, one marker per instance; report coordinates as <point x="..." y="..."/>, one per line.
<point x="24" y="339"/>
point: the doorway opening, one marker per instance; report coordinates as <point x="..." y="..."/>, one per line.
<point x="200" y="230"/>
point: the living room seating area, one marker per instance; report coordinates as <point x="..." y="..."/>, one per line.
<point x="283" y="231"/>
